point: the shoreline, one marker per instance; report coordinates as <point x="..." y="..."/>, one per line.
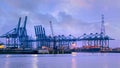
<point x="51" y="52"/>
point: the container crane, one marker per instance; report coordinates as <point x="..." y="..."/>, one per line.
<point x="54" y="38"/>
<point x="12" y="35"/>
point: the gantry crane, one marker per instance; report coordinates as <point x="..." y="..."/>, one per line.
<point x="17" y="36"/>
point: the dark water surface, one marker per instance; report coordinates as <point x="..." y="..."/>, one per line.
<point x="74" y="60"/>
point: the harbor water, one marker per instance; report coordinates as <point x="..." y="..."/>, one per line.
<point x="74" y="60"/>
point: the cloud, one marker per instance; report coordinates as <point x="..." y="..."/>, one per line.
<point x="82" y="3"/>
<point x="68" y="16"/>
<point x="40" y="12"/>
<point x="75" y="26"/>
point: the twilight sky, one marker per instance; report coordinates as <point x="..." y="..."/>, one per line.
<point x="68" y="16"/>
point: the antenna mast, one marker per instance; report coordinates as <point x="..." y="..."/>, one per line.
<point x="103" y="25"/>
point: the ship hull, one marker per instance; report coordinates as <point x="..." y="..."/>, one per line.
<point x="91" y="50"/>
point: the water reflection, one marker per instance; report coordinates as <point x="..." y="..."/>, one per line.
<point x="35" y="55"/>
<point x="74" y="53"/>
<point x="7" y="61"/>
<point x="74" y="63"/>
<point x="74" y="60"/>
<point x="7" y="56"/>
<point x="35" y="60"/>
<point x="106" y="66"/>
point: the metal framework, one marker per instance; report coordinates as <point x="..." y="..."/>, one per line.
<point x="18" y="37"/>
<point x="51" y="41"/>
<point x="98" y="39"/>
<point x="95" y="40"/>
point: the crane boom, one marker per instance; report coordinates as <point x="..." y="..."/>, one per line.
<point x="51" y="27"/>
<point x="25" y="22"/>
<point x="17" y="31"/>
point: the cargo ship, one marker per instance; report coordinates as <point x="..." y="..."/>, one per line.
<point x="90" y="48"/>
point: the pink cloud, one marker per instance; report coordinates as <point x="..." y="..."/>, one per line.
<point x="82" y="3"/>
